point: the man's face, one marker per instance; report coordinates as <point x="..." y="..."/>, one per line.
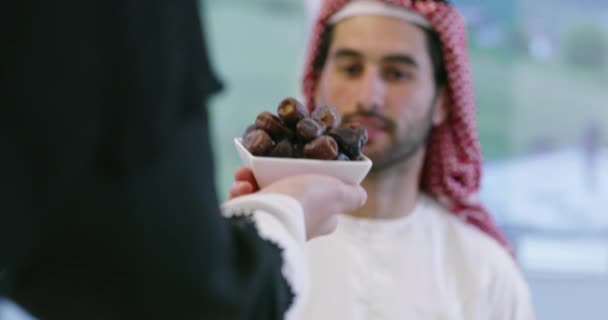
<point x="379" y="73"/>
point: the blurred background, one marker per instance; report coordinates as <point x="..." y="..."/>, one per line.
<point x="541" y="77"/>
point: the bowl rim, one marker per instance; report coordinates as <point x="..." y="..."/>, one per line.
<point x="364" y="161"/>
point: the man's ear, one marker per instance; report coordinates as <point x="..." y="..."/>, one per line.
<point x="441" y="106"/>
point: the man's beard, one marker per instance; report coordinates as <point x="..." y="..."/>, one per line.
<point x="403" y="148"/>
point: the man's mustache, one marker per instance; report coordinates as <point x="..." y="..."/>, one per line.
<point x="387" y="123"/>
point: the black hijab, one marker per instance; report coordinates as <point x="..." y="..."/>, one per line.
<point x="108" y="205"/>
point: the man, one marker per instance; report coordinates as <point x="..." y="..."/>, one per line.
<point x="422" y="247"/>
<point x="107" y="201"/>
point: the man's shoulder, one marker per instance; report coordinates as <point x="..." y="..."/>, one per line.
<point x="466" y="242"/>
<point x="479" y="265"/>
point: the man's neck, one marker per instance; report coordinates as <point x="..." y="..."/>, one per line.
<point x="393" y="192"/>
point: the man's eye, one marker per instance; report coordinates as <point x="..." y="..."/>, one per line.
<point x="351" y="70"/>
<point x="393" y="74"/>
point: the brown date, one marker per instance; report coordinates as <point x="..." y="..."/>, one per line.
<point x="363" y="135"/>
<point x="309" y="129"/>
<point x="343" y="157"/>
<point x="328" y="115"/>
<point x="322" y="148"/>
<point x="258" y="142"/>
<point x="350" y="141"/>
<point x="283" y="149"/>
<point x="291" y="111"/>
<point x="362" y="132"/>
<point x="298" y="151"/>
<point x="250" y="128"/>
<point x="272" y="125"/>
<point x="295" y="133"/>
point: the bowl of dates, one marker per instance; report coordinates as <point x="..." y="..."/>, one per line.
<point x="294" y="141"/>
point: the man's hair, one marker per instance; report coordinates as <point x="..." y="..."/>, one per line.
<point x="433" y="44"/>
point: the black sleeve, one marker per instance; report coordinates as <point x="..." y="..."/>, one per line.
<point x="108" y="202"/>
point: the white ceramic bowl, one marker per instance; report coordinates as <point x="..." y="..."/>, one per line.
<point x="267" y="169"/>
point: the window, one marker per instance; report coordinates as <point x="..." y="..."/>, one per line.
<point x="541" y="74"/>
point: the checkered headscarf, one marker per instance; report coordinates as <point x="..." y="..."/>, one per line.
<point x="452" y="170"/>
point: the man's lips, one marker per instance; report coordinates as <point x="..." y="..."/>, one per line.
<point x="373" y="133"/>
<point x="370" y="123"/>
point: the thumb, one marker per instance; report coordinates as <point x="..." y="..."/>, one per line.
<point x="353" y="197"/>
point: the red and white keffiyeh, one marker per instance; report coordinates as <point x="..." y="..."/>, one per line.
<point x="453" y="162"/>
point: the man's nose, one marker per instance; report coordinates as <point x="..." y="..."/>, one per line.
<point x="371" y="92"/>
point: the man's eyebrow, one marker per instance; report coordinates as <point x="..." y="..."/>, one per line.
<point x="347" y="53"/>
<point x="401" y="58"/>
<point x="395" y="58"/>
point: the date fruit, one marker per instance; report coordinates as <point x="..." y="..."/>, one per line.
<point x="343" y="157"/>
<point x="296" y="133"/>
<point x="283" y="149"/>
<point x="350" y="140"/>
<point x="322" y="148"/>
<point x="272" y="125"/>
<point x="258" y="142"/>
<point x="291" y="111"/>
<point x="309" y="129"/>
<point x="327" y="115"/>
